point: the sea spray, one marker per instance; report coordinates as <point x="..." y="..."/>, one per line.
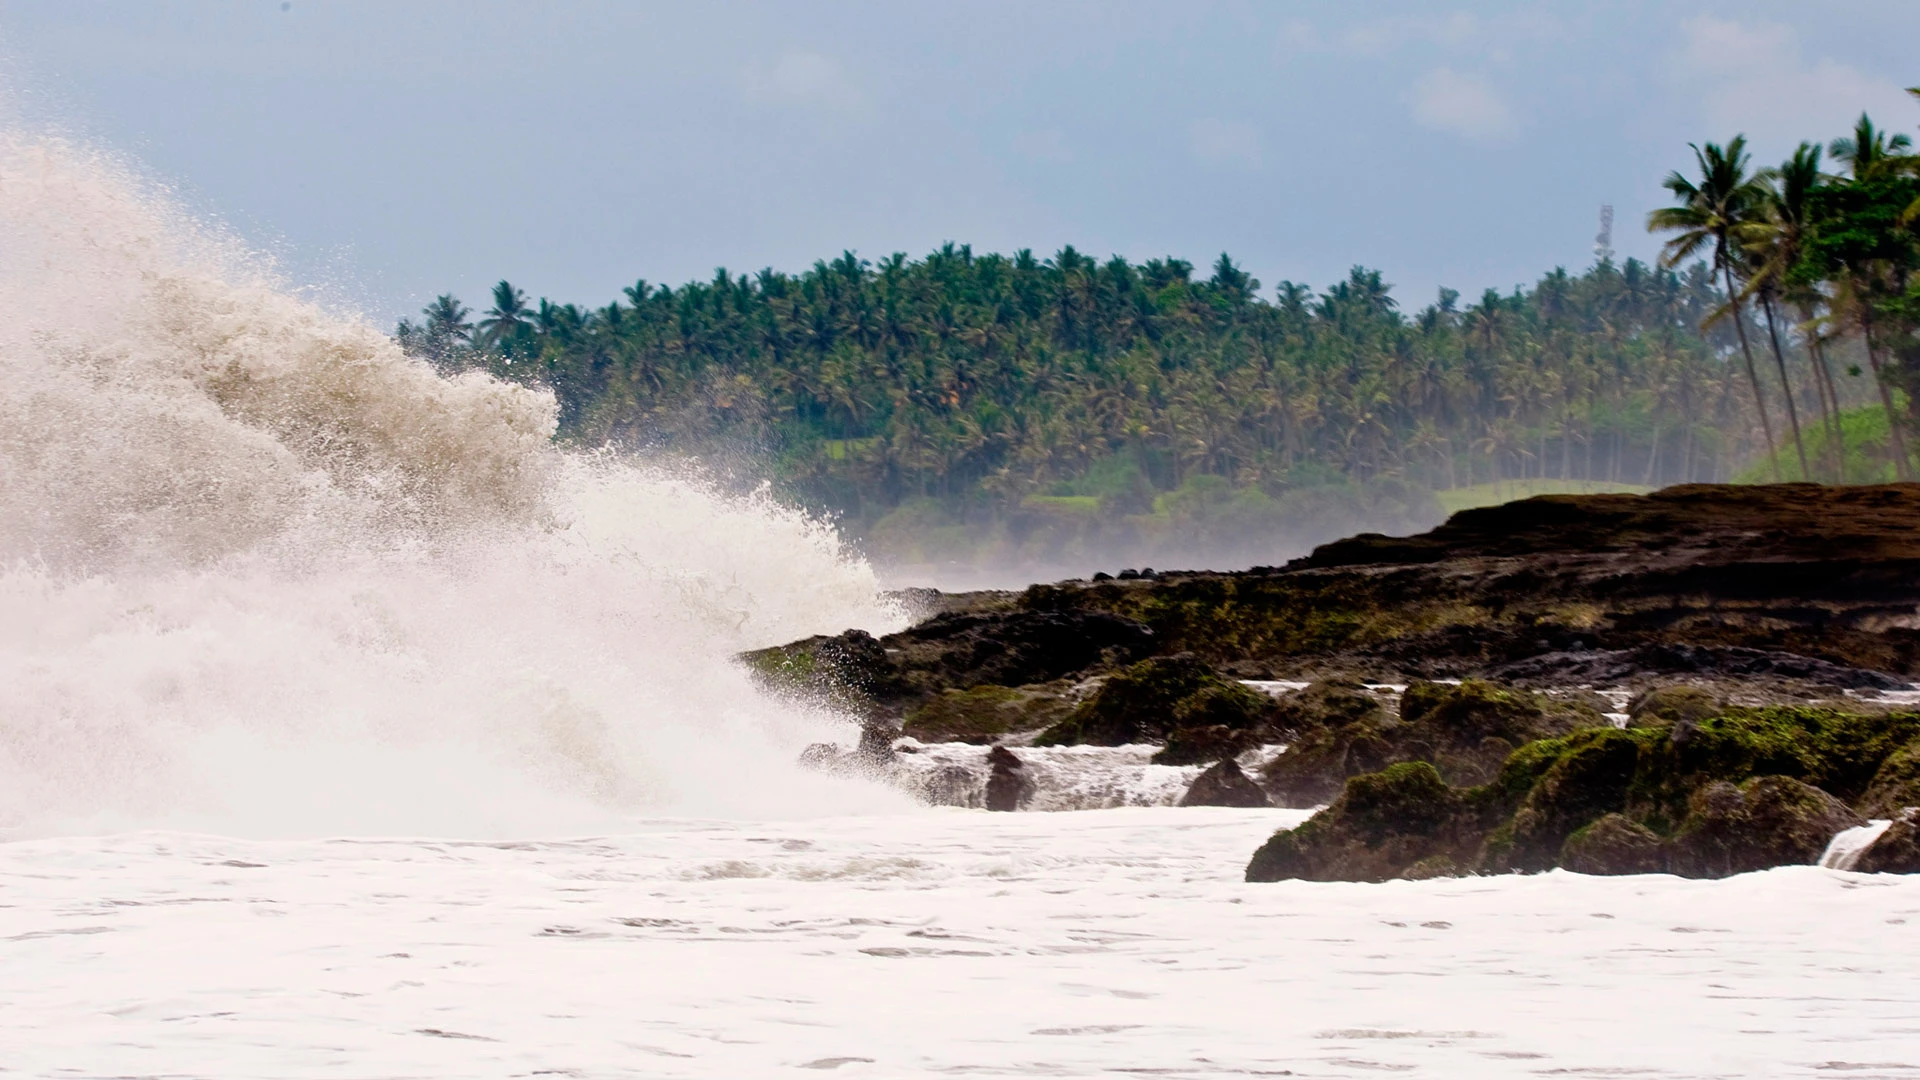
<point x="262" y="573"/>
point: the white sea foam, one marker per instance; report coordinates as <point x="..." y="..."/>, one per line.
<point x="262" y="573"/>
<point x="933" y="943"/>
<point x="1844" y="850"/>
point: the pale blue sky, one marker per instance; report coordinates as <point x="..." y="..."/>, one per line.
<point x="391" y="150"/>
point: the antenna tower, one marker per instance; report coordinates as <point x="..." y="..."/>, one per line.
<point x="1603" y="243"/>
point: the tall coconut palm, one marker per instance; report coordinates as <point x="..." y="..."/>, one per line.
<point x="1709" y="213"/>
<point x="1774" y="240"/>
<point x="508" y="315"/>
<point x="1872" y="155"/>
<point x="1798" y="179"/>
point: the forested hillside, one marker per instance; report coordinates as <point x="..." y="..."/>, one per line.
<point x="967" y="406"/>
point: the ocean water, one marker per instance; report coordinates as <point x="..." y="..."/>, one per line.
<point x="932" y="943"/>
<point x="350" y="727"/>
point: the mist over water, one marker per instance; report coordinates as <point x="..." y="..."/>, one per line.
<point x="261" y="573"/>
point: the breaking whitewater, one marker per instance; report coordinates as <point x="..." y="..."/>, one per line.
<point x="350" y="727"/>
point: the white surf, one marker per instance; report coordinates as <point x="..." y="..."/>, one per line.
<point x="261" y="573"/>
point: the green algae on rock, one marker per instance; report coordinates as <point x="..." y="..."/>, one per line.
<point x="1749" y="789"/>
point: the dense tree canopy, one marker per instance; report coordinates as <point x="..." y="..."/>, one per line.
<point x="960" y="389"/>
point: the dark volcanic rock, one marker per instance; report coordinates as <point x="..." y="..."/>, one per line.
<point x="1674" y="705"/>
<point x="1008" y="786"/>
<point x="982" y="714"/>
<point x="1767" y="821"/>
<point x="1800" y="574"/>
<point x="1150" y="700"/>
<point x="1198" y="745"/>
<point x="880" y="680"/>
<point x="1896" y="786"/>
<point x="1224" y="785"/>
<point x="1897" y="851"/>
<point x="1465" y="731"/>
<point x="1012" y="648"/>
<point x="1614" y="667"/>
<point x="1749" y="789"/>
<point x="1328" y="703"/>
<point x="1615" y="844"/>
<point x="1382" y="825"/>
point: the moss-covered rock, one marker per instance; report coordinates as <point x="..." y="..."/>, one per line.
<point x="1466" y="732"/>
<point x="1615" y="844"/>
<point x="1328" y="703"/>
<point x="1148" y="701"/>
<point x="1317" y="765"/>
<point x="1767" y="821"/>
<point x="1667" y="705"/>
<point x="1746" y="790"/>
<point x="1897" y="851"/>
<point x="1895" y="785"/>
<point x="1568" y="783"/>
<point x="982" y="714"/>
<point x="1382" y="825"/>
<point x="1836" y="751"/>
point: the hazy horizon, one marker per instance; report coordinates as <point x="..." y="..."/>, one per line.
<point x="387" y="154"/>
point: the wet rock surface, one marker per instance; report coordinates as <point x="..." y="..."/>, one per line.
<point x="1745" y="790"/>
<point x="1009" y="787"/>
<point x="1465" y="731"/>
<point x="1620" y="667"/>
<point x="1896" y="785"/>
<point x="1224" y="784"/>
<point x="1767" y="821"/>
<point x="1897" y="851"/>
<point x="1180" y="701"/>
<point x="1740" y="618"/>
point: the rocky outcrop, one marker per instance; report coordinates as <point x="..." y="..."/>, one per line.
<point x="955" y="650"/>
<point x="1897" y="851"/>
<point x="1382" y="825"/>
<point x="1767" y="821"/>
<point x="1178" y="700"/>
<point x="1745" y="790"/>
<point x="1224" y="784"/>
<point x="1466" y="732"/>
<point x="986" y="713"/>
<point x="1798" y="588"/>
<point x="1793" y="581"/>
<point x="1896" y="785"/>
<point x="1673" y="705"/>
<point x="1328" y="703"/>
<point x="1650" y="663"/>
<point x="1614" y="844"/>
<point x="1008" y="785"/>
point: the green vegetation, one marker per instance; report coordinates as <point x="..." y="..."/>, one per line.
<point x="982" y="714"/>
<point x="1865" y="459"/>
<point x="1050" y="407"/>
<point x="1454" y="500"/>
<point x="1743" y="790"/>
<point x="1177" y="699"/>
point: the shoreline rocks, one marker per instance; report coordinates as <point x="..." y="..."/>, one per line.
<point x="1745" y="621"/>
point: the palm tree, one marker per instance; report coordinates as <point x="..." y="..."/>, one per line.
<point x="1778" y="241"/>
<point x="447" y="317"/>
<point x="447" y="330"/>
<point x="1874" y="155"/>
<point x="508" y="316"/>
<point x="1709" y="213"/>
<point x="1773" y="241"/>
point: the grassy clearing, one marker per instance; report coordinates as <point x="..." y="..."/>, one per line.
<point x="1863" y="434"/>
